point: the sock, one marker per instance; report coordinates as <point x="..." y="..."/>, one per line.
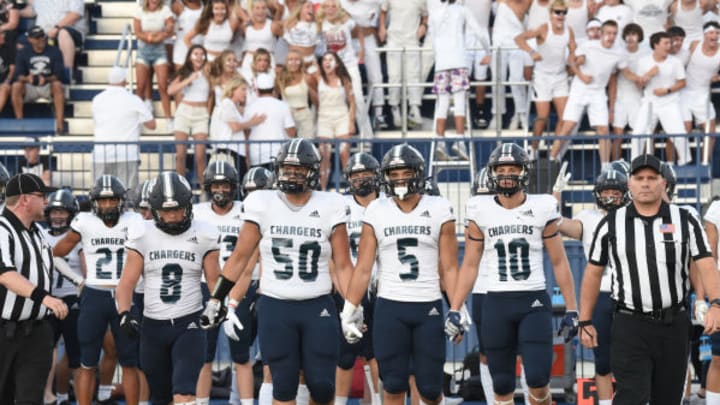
<point x="202" y="401"/>
<point x="104" y="392"/>
<point x="604" y="165"/>
<point x="712" y="398"/>
<point x="234" y="397"/>
<point x="62" y="397"/>
<point x="487" y="384"/>
<point x="265" y="396"/>
<point x="303" y="395"/>
<point x="605" y="402"/>
<point x="378" y="111"/>
<point x="247" y="401"/>
<point x="375" y="398"/>
<point x="523" y="383"/>
<point x="442" y="401"/>
<point x="144" y="403"/>
<point x="341" y="400"/>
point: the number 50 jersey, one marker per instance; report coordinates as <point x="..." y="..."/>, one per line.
<point x="513" y="240"/>
<point x="172" y="267"/>
<point x="408" y="247"/>
<point x="295" y="246"/>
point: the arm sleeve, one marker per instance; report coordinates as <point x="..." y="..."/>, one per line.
<point x="713" y="214"/>
<point x="599" y="248"/>
<point x="699" y="246"/>
<point x="6" y="251"/>
<point x="134" y="241"/>
<point x="340" y="212"/>
<point x="252" y="209"/>
<point x="21" y="65"/>
<point x="143" y="112"/>
<point x="77" y="225"/>
<point x="472" y="212"/>
<point x="77" y="7"/>
<point x="445" y="211"/>
<point x="289" y="121"/>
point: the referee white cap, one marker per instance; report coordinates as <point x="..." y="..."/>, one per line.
<point x="117" y="75"/>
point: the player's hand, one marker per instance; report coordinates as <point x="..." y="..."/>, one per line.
<point x="587" y="79"/>
<point x="129" y="324"/>
<point x="456" y="323"/>
<point x="701" y="308"/>
<point x="569" y="326"/>
<point x="213" y="314"/>
<point x="232" y="323"/>
<point x="588" y="336"/>
<point x="56" y="305"/>
<point x="562" y="179"/>
<point x="351" y="320"/>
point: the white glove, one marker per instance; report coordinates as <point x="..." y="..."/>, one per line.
<point x="232" y="324"/>
<point x="467" y="320"/>
<point x="562" y="179"/>
<point x="213" y="314"/>
<point x="701" y="308"/>
<point x="351" y="320"/>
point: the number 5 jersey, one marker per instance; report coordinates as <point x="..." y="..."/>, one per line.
<point x="513" y="237"/>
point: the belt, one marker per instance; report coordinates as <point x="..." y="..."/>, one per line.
<point x="665" y="315"/>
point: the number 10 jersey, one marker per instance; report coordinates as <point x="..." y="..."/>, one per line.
<point x="513" y="240"/>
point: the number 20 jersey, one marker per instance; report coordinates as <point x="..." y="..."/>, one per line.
<point x="513" y="240"/>
<point x="172" y="267"/>
<point x="408" y="247"/>
<point x="295" y="246"/>
<point x="103" y="247"/>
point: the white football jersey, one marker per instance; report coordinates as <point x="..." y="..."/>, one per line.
<point x="513" y="240"/>
<point x="172" y="265"/>
<point x="63" y="287"/>
<point x="295" y="248"/>
<point x="104" y="247"/>
<point x="590" y="220"/>
<point x="408" y="247"/>
<point x="713" y="216"/>
<point x="228" y="226"/>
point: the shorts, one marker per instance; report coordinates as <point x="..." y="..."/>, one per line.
<point x="304" y="122"/>
<point x="549" y="86"/>
<point x="245" y="311"/>
<point x="191" y="120"/>
<point x="594" y="101"/>
<point x="67" y="329"/>
<point x="472" y="60"/>
<point x="625" y="112"/>
<point x="695" y="103"/>
<point x="333" y="125"/>
<point x="32" y="93"/>
<point x="451" y="81"/>
<point x="212" y="333"/>
<point x="76" y="36"/>
<point x="151" y="54"/>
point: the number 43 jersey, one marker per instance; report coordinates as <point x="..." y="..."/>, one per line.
<point x="513" y="240"/>
<point x="104" y="247"/>
<point x="172" y="267"/>
<point x="408" y="247"/>
<point x="295" y="246"/>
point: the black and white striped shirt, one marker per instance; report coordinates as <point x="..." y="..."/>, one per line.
<point x="649" y="256"/>
<point x="25" y="251"/>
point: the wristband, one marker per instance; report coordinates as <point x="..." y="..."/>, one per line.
<point x="222" y="288"/>
<point x="233" y="303"/>
<point x="583" y="324"/>
<point x="715" y="302"/>
<point x="38" y="295"/>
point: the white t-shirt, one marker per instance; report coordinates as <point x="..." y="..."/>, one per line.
<point x="651" y="15"/>
<point x="364" y="12"/>
<point x="590" y="220"/>
<point x="713" y="216"/>
<point x="338" y="38"/>
<point x="50" y="12"/>
<point x="228" y="112"/>
<point x="405" y="16"/>
<point x="481" y="10"/>
<point x="627" y="90"/>
<point x="670" y="71"/>
<point x="447" y="25"/>
<point x="600" y="63"/>
<point x="63" y="287"/>
<point x="153" y="21"/>
<point x="621" y="14"/>
<point x="118" y="116"/>
<point x="278" y="119"/>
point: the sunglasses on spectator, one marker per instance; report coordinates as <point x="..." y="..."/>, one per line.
<point x="560" y="12"/>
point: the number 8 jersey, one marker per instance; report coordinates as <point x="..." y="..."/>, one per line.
<point x="295" y="246"/>
<point x="408" y="250"/>
<point x="513" y="240"/>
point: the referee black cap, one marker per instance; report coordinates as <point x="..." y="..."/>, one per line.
<point x="646" y="160"/>
<point x="26" y="183"/>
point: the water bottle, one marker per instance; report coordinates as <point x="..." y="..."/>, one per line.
<point x="557" y="298"/>
<point x="705" y="348"/>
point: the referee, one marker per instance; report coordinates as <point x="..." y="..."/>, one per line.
<point x="649" y="245"/>
<point x="26" y="338"/>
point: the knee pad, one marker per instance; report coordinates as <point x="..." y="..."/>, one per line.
<point x="322" y="392"/>
<point x="504" y="383"/>
<point x="283" y="392"/>
<point x="536" y="379"/>
<point x="460" y="104"/>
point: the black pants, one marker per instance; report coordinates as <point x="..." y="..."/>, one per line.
<point x="25" y="360"/>
<point x="649" y="359"/>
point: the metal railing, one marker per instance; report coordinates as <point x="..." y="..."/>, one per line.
<point x="124" y="55"/>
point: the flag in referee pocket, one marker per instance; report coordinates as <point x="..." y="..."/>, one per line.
<point x="667" y="228"/>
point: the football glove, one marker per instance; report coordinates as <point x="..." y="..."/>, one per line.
<point x="569" y="326"/>
<point x="232" y="323"/>
<point x="701" y="308"/>
<point x="351" y="320"/>
<point x="457" y="322"/>
<point x="129" y="324"/>
<point x="562" y="179"/>
<point x="213" y="314"/>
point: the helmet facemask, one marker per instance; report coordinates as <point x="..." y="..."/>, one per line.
<point x="222" y="196"/>
<point x="109" y="215"/>
<point x="404" y="187"/>
<point x="58" y="219"/>
<point x="363" y="186"/>
<point x="497" y="182"/>
<point x="294" y="179"/>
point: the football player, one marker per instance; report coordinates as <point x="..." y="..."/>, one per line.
<point x="299" y="230"/>
<point x="172" y="251"/>
<point x="59" y="212"/>
<point x="362" y="174"/>
<point x="142" y="200"/>
<point x="510" y="230"/>
<point x="413" y="237"/>
<point x="4" y="177"/>
<point x="610" y="192"/>
<point x="102" y="234"/>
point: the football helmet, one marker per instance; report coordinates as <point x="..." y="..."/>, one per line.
<point x="611" y="179"/>
<point x="403" y="156"/>
<point x="171" y="191"/>
<point x="107" y="186"/>
<point x="221" y="171"/>
<point x="298" y="153"/>
<point x="61" y="199"/>
<point x="480" y="183"/>
<point x="362" y="162"/>
<point x="142" y="196"/>
<point x="622" y="166"/>
<point x="257" y="178"/>
<point x="4" y="178"/>
<point x="670" y="177"/>
<point x="508" y="154"/>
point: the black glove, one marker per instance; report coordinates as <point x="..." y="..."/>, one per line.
<point x="129" y="324"/>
